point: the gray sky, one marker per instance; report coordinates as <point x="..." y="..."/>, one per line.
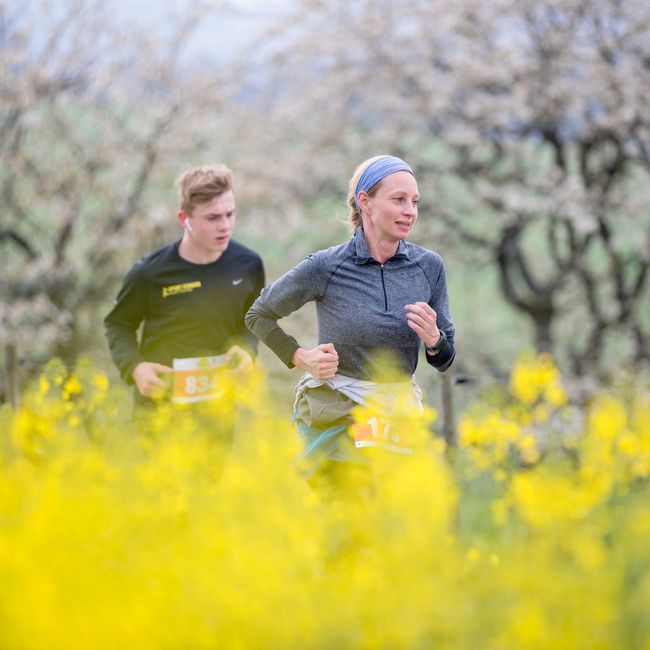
<point x="229" y="28"/>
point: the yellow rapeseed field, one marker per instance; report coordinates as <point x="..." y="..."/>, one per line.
<point x="534" y="532"/>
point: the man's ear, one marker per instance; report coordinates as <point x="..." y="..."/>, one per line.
<point x="183" y="220"/>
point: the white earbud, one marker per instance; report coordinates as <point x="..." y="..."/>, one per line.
<point x="188" y="225"/>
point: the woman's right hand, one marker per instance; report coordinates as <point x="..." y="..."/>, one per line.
<point x="320" y="362"/>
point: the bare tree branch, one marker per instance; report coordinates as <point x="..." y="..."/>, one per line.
<point x="19" y="240"/>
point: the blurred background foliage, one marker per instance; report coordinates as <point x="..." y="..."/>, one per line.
<point x="527" y="122"/>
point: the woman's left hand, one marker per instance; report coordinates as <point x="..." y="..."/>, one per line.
<point x="423" y="320"/>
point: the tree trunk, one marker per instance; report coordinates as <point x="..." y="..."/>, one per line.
<point x="12" y="394"/>
<point x="447" y="409"/>
<point x="543" y="335"/>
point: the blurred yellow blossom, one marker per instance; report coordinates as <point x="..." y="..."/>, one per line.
<point x="135" y="534"/>
<point x="536" y="378"/>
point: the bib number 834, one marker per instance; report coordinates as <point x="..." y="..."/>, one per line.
<point x="199" y="384"/>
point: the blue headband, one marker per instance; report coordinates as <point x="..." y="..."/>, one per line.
<point x="376" y="171"/>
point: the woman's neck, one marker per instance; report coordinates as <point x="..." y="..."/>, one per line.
<point x="381" y="249"/>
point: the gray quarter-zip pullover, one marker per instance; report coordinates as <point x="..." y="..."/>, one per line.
<point x="359" y="305"/>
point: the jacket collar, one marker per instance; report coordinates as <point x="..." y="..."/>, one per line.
<point x="362" y="253"/>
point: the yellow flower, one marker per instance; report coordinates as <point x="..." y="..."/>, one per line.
<point x="100" y="381"/>
<point x="536" y="378"/>
<point x="71" y="387"/>
<point x="43" y="385"/>
<point x="137" y="523"/>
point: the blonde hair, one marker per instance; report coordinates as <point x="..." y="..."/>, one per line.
<point x="202" y="184"/>
<point x="354" y="213"/>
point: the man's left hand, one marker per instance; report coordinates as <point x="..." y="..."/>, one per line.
<point x="238" y="360"/>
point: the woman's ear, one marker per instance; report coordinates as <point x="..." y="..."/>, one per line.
<point x="362" y="200"/>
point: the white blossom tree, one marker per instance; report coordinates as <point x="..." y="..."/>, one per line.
<point x="529" y="118"/>
<point x="92" y="114"/>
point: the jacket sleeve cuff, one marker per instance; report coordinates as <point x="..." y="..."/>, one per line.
<point x="443" y="360"/>
<point x="127" y="372"/>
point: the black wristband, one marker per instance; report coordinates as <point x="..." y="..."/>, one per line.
<point x="439" y="346"/>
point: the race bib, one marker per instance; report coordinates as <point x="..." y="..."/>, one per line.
<point x="197" y="379"/>
<point x="377" y="432"/>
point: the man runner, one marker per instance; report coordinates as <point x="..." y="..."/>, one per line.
<point x="190" y="295"/>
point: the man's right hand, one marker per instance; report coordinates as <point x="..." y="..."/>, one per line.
<point x="320" y="362"/>
<point x="147" y="381"/>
